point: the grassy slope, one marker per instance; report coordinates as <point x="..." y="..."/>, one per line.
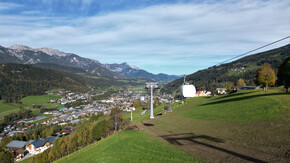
<point x="6" y="109"/>
<point x="128" y="146"/>
<point x="241" y="107"/>
<point x="251" y="119"/>
<point x="26" y="160"/>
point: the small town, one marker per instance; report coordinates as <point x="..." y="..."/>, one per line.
<point x="67" y="117"/>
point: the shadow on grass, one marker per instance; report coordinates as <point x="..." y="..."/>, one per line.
<point x="175" y="138"/>
<point x="242" y="98"/>
<point x="148" y="124"/>
<point x="234" y="94"/>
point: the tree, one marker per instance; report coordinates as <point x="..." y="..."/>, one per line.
<point x="93" y="117"/>
<point x="137" y="103"/>
<point x="100" y="114"/>
<point x="229" y="86"/>
<point x="5" y="141"/>
<point x="265" y="76"/>
<point x="116" y="117"/>
<point x="6" y="156"/>
<point x="284" y="74"/>
<point x="241" y="83"/>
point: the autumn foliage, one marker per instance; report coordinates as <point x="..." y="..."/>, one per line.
<point x="265" y="76"/>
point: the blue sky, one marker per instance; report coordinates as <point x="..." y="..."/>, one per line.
<point x="160" y="36"/>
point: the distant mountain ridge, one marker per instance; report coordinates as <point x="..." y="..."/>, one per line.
<point x="132" y="71"/>
<point x="27" y="55"/>
<point x="47" y="57"/>
<point x="245" y="68"/>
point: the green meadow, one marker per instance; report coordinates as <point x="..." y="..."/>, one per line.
<point x="6" y="109"/>
<point x="129" y="146"/>
<point x="42" y="99"/>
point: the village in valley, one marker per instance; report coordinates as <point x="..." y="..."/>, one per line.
<point x="69" y="117"/>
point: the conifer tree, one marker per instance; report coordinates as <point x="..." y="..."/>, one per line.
<point x="284" y="74"/>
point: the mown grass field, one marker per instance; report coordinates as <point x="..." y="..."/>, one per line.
<point x="6" y="109"/>
<point x="244" y="106"/>
<point x="129" y="146"/>
<point x="43" y="99"/>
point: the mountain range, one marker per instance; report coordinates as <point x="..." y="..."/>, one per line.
<point x="245" y="68"/>
<point x="55" y="59"/>
<point x="132" y="71"/>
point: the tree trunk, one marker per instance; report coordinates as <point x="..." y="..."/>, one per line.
<point x="287" y="90"/>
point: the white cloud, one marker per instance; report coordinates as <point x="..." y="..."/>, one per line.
<point x="192" y="36"/>
<point x="8" y="6"/>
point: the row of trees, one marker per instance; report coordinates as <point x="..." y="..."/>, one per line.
<point x="37" y="132"/>
<point x="266" y="76"/>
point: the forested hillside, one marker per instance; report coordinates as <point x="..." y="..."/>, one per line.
<point x="17" y="81"/>
<point x="244" y="68"/>
<point x="59" y="67"/>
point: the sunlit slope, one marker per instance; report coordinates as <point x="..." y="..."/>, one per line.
<point x="240" y="107"/>
<point x="247" y="120"/>
<point x="128" y="146"/>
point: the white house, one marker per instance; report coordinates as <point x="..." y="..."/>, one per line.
<point x="221" y="90"/>
<point x="38" y="146"/>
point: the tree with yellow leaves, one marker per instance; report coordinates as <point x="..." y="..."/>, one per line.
<point x="265" y="76"/>
<point x="241" y="83"/>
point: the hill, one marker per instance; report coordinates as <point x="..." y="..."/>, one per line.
<point x="129" y="146"/>
<point x="244" y="68"/>
<point x="18" y="81"/>
<point x="245" y="126"/>
<point x="59" y="67"/>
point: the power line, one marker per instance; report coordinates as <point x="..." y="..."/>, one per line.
<point x="252" y="50"/>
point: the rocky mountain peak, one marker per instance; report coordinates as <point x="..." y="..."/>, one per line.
<point x="131" y="66"/>
<point x="52" y="52"/>
<point x="20" y="47"/>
